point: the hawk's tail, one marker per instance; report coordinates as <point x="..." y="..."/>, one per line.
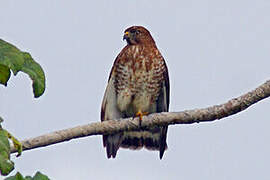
<point x="152" y="139"/>
<point x="112" y="144"/>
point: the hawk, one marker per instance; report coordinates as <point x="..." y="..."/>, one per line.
<point x="138" y="85"/>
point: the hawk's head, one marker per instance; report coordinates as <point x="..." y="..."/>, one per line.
<point x="138" y="35"/>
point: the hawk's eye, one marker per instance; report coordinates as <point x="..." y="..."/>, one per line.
<point x="137" y="32"/>
<point x="134" y="31"/>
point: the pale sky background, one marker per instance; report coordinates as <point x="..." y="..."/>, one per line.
<point x="215" y="50"/>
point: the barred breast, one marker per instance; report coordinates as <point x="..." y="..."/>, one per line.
<point x="138" y="80"/>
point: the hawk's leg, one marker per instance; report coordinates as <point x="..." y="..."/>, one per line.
<point x="140" y="114"/>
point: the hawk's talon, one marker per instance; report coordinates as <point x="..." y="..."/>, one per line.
<point x="140" y="114"/>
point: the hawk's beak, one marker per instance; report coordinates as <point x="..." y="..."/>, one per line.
<point x="126" y="36"/>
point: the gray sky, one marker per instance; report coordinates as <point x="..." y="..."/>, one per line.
<point x="215" y="50"/>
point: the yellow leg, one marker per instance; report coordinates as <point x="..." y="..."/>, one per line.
<point x="140" y="114"/>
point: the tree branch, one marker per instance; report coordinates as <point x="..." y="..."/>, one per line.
<point x="212" y="113"/>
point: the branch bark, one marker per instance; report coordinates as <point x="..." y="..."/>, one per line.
<point x="212" y="113"/>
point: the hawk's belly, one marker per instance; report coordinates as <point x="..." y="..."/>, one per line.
<point x="131" y="103"/>
<point x="138" y="94"/>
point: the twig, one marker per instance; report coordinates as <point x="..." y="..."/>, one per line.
<point x="212" y="113"/>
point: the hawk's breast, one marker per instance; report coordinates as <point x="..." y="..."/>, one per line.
<point x="138" y="79"/>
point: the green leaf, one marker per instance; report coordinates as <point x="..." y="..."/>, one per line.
<point x="4" y="74"/>
<point x="36" y="73"/>
<point x="38" y="176"/>
<point x="17" y="176"/>
<point x="11" y="58"/>
<point x="17" y="144"/>
<point x="6" y="165"/>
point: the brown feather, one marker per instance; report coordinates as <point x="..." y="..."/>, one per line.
<point x="138" y="81"/>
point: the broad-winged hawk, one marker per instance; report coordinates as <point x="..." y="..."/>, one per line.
<point x="138" y="85"/>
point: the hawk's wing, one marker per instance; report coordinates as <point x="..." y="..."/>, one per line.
<point x="109" y="111"/>
<point x="163" y="106"/>
<point x="164" y="97"/>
